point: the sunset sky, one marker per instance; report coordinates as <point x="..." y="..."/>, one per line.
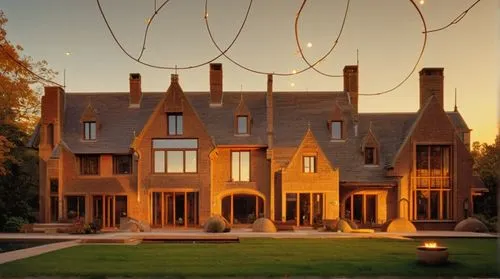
<point x="386" y="32"/>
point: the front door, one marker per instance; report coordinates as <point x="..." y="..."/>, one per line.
<point x="304" y="209"/>
<point x="174" y="208"/>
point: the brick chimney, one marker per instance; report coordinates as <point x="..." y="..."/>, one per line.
<point x="431" y="84"/>
<point x="52" y="113"/>
<point x="270" y="112"/>
<point x="351" y="84"/>
<point x="215" y="84"/>
<point x="135" y="90"/>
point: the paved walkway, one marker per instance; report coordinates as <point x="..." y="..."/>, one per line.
<point x="35" y="251"/>
<point x="245" y="233"/>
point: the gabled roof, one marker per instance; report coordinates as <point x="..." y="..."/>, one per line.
<point x="292" y="112"/>
<point x="117" y="122"/>
<point x="219" y="121"/>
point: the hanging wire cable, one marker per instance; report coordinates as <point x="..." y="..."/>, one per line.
<point x="251" y="69"/>
<point x="297" y="40"/>
<point x="150" y="20"/>
<point x="39" y="78"/>
<point x="424" y="43"/>
<point x="174" y="67"/>
<point x="456" y="20"/>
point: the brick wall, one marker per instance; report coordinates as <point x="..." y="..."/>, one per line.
<point x="156" y="128"/>
<point x="325" y="180"/>
<point x="221" y="176"/>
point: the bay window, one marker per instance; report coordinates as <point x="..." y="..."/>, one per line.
<point x="432" y="186"/>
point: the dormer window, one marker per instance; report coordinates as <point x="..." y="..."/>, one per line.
<point x="175" y="124"/>
<point x="242" y="125"/>
<point x="370" y="156"/>
<point x="336" y="130"/>
<point x="89" y="130"/>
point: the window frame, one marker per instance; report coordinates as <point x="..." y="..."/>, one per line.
<point x="82" y="158"/>
<point x="116" y="166"/>
<point x="341" y="129"/>
<point x="89" y="123"/>
<point x="176" y="116"/>
<point x="312" y="167"/>
<point x="247" y="123"/>
<point x="165" y="159"/>
<point x="374" y="155"/>
<point x="424" y="183"/>
<point x="239" y="166"/>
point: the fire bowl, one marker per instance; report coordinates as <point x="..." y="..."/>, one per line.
<point x="431" y="254"/>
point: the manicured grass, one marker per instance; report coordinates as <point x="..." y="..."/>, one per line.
<point x="262" y="257"/>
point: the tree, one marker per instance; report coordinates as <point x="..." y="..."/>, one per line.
<point x="20" y="90"/>
<point x="487" y="166"/>
<point x="19" y="87"/>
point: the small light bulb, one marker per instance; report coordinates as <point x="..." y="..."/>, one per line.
<point x="422" y="2"/>
<point x="292" y="84"/>
<point x="68" y="53"/>
<point x="147" y="20"/>
<point x="294" y="71"/>
<point x="309" y="45"/>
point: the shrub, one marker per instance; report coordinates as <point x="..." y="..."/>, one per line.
<point x="400" y="225"/>
<point x="491" y="223"/>
<point x="215" y="224"/>
<point x="263" y="225"/>
<point x="344" y="226"/>
<point x="471" y="224"/>
<point x="14" y="224"/>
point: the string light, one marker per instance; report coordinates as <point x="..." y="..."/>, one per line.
<point x="170" y="67"/>
<point x="456" y="20"/>
<point x="422" y="50"/>
<point x="297" y="40"/>
<point x="299" y="52"/>
<point x="311" y="66"/>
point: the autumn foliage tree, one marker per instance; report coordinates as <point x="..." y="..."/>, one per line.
<point x="20" y="88"/>
<point x="487" y="166"/>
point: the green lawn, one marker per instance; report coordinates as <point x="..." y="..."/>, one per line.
<point x="263" y="257"/>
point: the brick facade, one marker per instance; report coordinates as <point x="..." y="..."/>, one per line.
<point x="276" y="159"/>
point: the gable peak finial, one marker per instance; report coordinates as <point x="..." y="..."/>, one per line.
<point x="308" y="125"/>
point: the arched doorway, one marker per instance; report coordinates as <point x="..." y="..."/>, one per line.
<point x="242" y="208"/>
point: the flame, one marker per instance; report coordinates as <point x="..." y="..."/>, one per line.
<point x="430" y="244"/>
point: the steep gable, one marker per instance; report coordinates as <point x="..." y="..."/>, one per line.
<point x="310" y="146"/>
<point x="432" y="125"/>
<point x="175" y="101"/>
